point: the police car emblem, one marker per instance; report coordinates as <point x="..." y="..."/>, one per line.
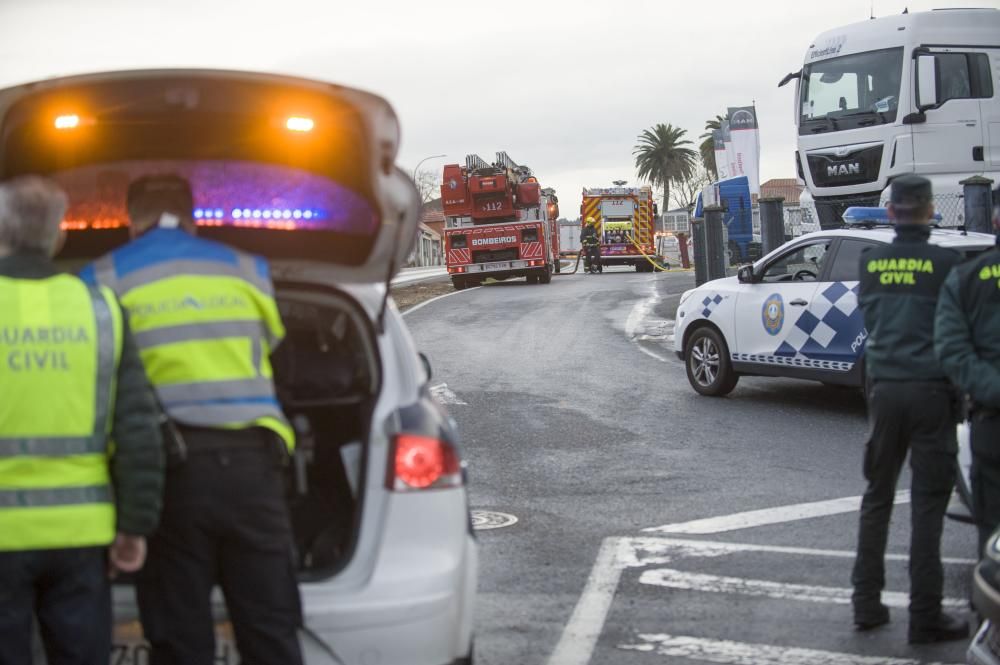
<point x="773" y="314"/>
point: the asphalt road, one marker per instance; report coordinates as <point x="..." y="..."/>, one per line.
<point x="578" y="420"/>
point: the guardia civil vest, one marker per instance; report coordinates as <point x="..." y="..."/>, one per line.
<point x="60" y="344"/>
<point x="205" y="320"/>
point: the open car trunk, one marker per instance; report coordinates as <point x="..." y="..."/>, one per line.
<point x="326" y="373"/>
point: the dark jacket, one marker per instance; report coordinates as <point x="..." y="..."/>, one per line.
<point x="898" y="297"/>
<point x="967" y="328"/>
<point x="137" y="462"/>
<point x="588" y="236"/>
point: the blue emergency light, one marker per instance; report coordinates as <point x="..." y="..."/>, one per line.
<point x="873" y="216"/>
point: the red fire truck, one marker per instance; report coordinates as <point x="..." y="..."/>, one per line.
<point x="499" y="222"/>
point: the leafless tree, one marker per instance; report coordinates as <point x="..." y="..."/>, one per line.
<point x="428" y="182"/>
<point x="685" y="192"/>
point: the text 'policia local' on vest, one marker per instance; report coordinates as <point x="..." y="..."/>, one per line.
<point x="205" y="320"/>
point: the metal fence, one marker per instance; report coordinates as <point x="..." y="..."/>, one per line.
<point x="827" y="213"/>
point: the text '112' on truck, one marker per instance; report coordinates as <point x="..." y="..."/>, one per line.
<point x="499" y="223"/>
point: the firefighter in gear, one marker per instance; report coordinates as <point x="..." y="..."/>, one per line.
<point x="71" y="381"/>
<point x="206" y="321"/>
<point x="591" y="243"/>
<point x="967" y="343"/>
<point x="911" y="408"/>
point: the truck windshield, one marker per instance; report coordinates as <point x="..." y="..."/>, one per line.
<point x="851" y="91"/>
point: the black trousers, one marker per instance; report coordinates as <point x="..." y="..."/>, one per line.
<point x="985" y="475"/>
<point x="593" y="255"/>
<point x="68" y="590"/>
<point x="225" y="522"/>
<point x="915" y="417"/>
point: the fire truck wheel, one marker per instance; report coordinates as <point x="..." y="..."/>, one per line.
<point x="458" y="283"/>
<point x="545" y="276"/>
<point x="558" y="265"/>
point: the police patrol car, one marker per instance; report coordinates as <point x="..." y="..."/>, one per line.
<point x="794" y="313"/>
<point x="301" y="172"/>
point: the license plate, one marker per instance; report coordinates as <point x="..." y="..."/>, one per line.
<point x="489" y="267"/>
<point x="129" y="647"/>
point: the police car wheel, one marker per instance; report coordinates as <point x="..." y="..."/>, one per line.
<point x="707" y="361"/>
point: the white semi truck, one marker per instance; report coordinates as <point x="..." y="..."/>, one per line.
<point x="914" y="93"/>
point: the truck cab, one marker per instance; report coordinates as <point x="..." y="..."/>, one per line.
<point x="914" y="93"/>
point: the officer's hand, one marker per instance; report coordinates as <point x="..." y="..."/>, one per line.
<point x="127" y="553"/>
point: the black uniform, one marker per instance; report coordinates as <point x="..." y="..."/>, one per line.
<point x="910" y="406"/>
<point x="967" y="342"/>
<point x="592" y="246"/>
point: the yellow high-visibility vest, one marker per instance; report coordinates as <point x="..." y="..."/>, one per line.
<point x="60" y="345"/>
<point x="205" y="320"/>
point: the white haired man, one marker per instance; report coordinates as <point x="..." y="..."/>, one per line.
<point x="71" y="381"/>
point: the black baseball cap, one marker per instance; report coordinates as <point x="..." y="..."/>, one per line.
<point x="151" y="196"/>
<point x="910" y="191"/>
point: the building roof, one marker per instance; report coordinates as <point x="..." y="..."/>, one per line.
<point x="787" y="188"/>
<point x="429" y="216"/>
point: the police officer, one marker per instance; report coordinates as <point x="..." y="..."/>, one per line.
<point x="910" y="407"/>
<point x="70" y="382"/>
<point x="967" y="342"/>
<point x="206" y="321"/>
<point x="591" y="243"/>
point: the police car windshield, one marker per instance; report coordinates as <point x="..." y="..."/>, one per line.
<point x="851" y="91"/>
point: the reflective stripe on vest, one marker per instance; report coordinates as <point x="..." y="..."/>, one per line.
<point x="61" y="347"/>
<point x="201" y="329"/>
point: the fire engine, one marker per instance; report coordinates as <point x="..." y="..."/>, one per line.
<point x="626" y="219"/>
<point x="499" y="222"/>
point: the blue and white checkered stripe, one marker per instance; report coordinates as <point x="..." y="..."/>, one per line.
<point x="824" y="333"/>
<point x="710" y="303"/>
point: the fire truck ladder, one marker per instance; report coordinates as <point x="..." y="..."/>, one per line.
<point x="505" y="162"/>
<point x="476" y="163"/>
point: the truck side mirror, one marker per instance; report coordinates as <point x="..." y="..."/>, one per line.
<point x="745" y="275"/>
<point x="926" y="82"/>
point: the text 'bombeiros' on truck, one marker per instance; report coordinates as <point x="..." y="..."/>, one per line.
<point x="499" y="223"/>
<point x="912" y="93"/>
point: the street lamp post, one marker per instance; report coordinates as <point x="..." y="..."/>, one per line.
<point x="417" y="167"/>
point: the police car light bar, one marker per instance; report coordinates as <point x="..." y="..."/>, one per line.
<point x="867" y="216"/>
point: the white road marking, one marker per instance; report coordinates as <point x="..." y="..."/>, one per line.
<point x="655" y="551"/>
<point x="777" y="515"/>
<point x="678" y="579"/>
<point x="446" y="395"/>
<point x="585" y="624"/>
<point x="729" y="652"/>
<point x="411" y="310"/>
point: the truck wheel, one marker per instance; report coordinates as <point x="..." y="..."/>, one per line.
<point x="709" y="370"/>
<point x="546" y="276"/>
<point x="458" y="283"/>
<point x="558" y="265"/>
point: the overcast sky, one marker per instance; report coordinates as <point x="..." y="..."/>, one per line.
<point x="564" y="86"/>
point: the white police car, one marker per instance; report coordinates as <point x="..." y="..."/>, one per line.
<point x="794" y="313"/>
<point x="301" y="172"/>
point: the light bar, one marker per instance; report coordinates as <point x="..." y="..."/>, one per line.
<point x="239" y="213"/>
<point x="67" y="122"/>
<point x="868" y="216"/>
<point x="300" y="124"/>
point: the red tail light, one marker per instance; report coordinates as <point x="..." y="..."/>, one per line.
<point x="420" y="462"/>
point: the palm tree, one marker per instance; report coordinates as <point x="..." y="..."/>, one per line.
<point x="662" y="157"/>
<point x="707" y="146"/>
